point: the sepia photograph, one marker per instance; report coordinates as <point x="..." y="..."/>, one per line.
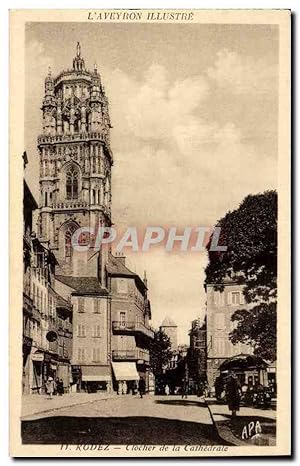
<point x="150" y="274"/>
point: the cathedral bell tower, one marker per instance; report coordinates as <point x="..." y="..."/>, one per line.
<point x="75" y="163"/>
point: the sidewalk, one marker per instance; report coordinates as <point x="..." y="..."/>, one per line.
<point x="33" y="405"/>
<point x="251" y="426"/>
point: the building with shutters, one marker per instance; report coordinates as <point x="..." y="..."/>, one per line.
<point x="45" y="313"/>
<point x="220" y="308"/>
<point x="131" y="330"/>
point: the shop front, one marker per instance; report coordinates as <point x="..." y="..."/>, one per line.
<point x="95" y="378"/>
<point x="36" y="376"/>
<point x="63" y="373"/>
<point x="27" y="345"/>
<point x="250" y="370"/>
<point x="126" y="377"/>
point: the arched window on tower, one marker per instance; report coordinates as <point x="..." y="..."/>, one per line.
<point x="72" y="183"/>
<point x="68" y="244"/>
<point x="71" y="228"/>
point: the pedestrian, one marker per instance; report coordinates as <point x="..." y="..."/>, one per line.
<point x="120" y="387"/>
<point x="233" y="394"/>
<point x="219" y="387"/>
<point x="184" y="393"/>
<point x="142" y="387"/>
<point x="60" y="387"/>
<point x="56" y="382"/>
<point x="124" y="387"/>
<point x="50" y="387"/>
<point x="167" y="390"/>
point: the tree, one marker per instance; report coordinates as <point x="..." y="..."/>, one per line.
<point x="160" y="352"/>
<point x="250" y="234"/>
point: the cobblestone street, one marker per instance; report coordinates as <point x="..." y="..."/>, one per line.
<point x="122" y="420"/>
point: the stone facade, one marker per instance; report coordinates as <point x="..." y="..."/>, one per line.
<point x="170" y="328"/>
<point x="75" y="192"/>
<point x="44" y="312"/>
<point x="75" y="163"/>
<point x="220" y="308"/>
<point x="130" y="315"/>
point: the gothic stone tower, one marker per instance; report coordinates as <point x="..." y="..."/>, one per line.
<point x="75" y="164"/>
<point x="170" y="328"/>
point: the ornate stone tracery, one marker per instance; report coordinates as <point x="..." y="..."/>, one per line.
<point x="75" y="154"/>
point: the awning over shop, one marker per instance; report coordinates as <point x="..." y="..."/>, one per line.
<point x="243" y="362"/>
<point x="95" y="373"/>
<point x="125" y="371"/>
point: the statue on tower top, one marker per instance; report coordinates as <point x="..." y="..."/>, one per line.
<point x="78" y="61"/>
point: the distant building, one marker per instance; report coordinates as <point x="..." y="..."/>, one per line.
<point x="178" y="355"/>
<point x="220" y="308"/>
<point x="170" y="328"/>
<point x="197" y="351"/>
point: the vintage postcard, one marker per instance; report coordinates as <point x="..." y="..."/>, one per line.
<point x="150" y="160"/>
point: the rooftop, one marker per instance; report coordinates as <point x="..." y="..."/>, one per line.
<point x="83" y="285"/>
<point x="168" y="322"/>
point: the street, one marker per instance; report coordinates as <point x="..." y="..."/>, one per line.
<point x="123" y="420"/>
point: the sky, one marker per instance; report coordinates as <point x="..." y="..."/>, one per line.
<point x="194" y="110"/>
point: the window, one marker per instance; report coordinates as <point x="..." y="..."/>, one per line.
<point x="96" y="306"/>
<point x="218" y="298"/>
<point x="72" y="183"/>
<point x="81" y="330"/>
<point x="71" y="228"/>
<point x="81" y="354"/>
<point x="122" y="285"/>
<point x="33" y="294"/>
<point x="219" y="346"/>
<point x="68" y="244"/>
<point x="38" y="298"/>
<point x="237" y="298"/>
<point x="96" y="354"/>
<point x="80" y="304"/>
<point x="122" y="319"/>
<point x="96" y="331"/>
<point x="219" y="321"/>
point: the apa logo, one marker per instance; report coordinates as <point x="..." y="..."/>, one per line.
<point x="251" y="429"/>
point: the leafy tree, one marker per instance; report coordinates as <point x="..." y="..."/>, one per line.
<point x="160" y="352"/>
<point x="250" y="234"/>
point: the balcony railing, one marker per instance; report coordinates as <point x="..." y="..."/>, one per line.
<point x="132" y="327"/>
<point x="70" y="205"/>
<point x="94" y="135"/>
<point x="131" y="355"/>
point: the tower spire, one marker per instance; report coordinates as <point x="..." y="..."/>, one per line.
<point x="78" y="50"/>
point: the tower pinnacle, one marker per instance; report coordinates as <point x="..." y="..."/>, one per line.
<point x="78" y="50"/>
<point x="78" y="61"/>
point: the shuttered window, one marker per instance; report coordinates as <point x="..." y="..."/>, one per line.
<point x="80" y="304"/>
<point x="96" y="354"/>
<point x="97" y="331"/>
<point x="81" y="330"/>
<point x="81" y="354"/>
